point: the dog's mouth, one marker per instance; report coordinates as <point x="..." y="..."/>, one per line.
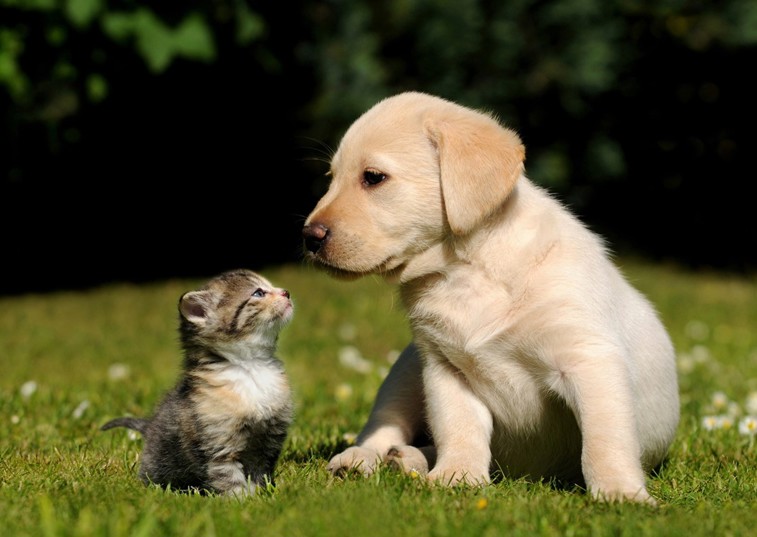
<point x="386" y="268"/>
<point x="336" y="272"/>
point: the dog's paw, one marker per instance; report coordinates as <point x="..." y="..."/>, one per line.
<point x="409" y="459"/>
<point x="458" y="476"/>
<point x="354" y="459"/>
<point x="635" y="495"/>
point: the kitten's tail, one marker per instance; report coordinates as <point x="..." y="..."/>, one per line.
<point x="138" y="424"/>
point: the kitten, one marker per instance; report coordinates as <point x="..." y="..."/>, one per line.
<point x="222" y="427"/>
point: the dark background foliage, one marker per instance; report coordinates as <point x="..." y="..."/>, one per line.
<point x="145" y="140"/>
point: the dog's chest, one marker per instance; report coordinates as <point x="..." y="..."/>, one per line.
<point x="464" y="314"/>
<point x="472" y="324"/>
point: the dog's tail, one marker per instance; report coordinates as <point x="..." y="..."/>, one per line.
<point x="138" y="424"/>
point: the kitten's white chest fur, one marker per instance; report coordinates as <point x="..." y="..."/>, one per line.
<point x="258" y="380"/>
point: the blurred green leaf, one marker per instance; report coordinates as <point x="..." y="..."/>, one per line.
<point x="153" y="40"/>
<point x="743" y="14"/>
<point x="11" y="75"/>
<point x="81" y="12"/>
<point x="250" y="26"/>
<point x="551" y="168"/>
<point x="56" y="35"/>
<point x="605" y="158"/>
<point x="193" y="39"/>
<point x="97" y="88"/>
<point x="159" y="44"/>
<point x="119" y="26"/>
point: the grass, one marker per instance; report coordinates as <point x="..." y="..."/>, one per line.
<point x="72" y="360"/>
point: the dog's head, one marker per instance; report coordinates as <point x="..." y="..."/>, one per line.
<point x="407" y="174"/>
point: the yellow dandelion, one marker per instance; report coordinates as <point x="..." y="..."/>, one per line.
<point x="482" y="503"/>
<point x="343" y="392"/>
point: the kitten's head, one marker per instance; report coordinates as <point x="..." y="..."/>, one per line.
<point x="236" y="307"/>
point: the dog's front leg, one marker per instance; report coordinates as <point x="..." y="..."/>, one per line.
<point x="395" y="420"/>
<point x="600" y="392"/>
<point x="460" y="423"/>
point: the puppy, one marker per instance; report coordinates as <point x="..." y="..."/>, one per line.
<point x="532" y="356"/>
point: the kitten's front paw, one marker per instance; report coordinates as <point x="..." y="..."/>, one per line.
<point x="354" y="458"/>
<point x="240" y="491"/>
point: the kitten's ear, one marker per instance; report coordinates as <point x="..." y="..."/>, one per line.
<point x="194" y="306"/>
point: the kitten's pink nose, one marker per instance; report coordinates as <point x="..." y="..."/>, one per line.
<point x="285" y="293"/>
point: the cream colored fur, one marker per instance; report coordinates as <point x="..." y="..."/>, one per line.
<point x="532" y="355"/>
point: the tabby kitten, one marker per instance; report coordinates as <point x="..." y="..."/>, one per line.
<point x="222" y="427"/>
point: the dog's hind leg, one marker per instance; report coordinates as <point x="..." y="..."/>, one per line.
<point x="396" y="419"/>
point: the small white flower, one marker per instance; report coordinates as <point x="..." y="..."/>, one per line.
<point x="719" y="400"/>
<point x="734" y="410"/>
<point x="700" y="354"/>
<point x="725" y="422"/>
<point x="80" y="409"/>
<point x="133" y="435"/>
<point x="748" y="426"/>
<point x="710" y="423"/>
<point x="28" y="388"/>
<point x="350" y="356"/>
<point x="118" y="371"/>
<point x="751" y="403"/>
<point x="349" y="437"/>
<point x="15" y="419"/>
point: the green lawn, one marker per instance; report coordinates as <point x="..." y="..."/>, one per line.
<point x="72" y="360"/>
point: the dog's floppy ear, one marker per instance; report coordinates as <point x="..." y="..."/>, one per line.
<point x="479" y="160"/>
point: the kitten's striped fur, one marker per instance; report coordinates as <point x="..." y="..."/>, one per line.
<point x="223" y="425"/>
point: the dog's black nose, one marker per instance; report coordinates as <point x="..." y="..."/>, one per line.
<point x="314" y="235"/>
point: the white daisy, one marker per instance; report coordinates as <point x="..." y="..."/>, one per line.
<point x="748" y="426"/>
<point x="725" y="422"/>
<point x="350" y="356"/>
<point x="719" y="400"/>
<point x="28" y="388"/>
<point x="710" y="423"/>
<point x="751" y="403"/>
<point x="80" y="409"/>
<point x="118" y="371"/>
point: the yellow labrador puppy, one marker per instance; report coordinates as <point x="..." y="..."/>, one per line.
<point x="531" y="355"/>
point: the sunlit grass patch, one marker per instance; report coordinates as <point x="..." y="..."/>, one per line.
<point x="71" y="361"/>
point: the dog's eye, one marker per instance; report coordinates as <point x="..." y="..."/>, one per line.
<point x="258" y="293"/>
<point x="373" y="177"/>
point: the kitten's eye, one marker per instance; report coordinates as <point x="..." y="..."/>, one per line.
<point x="259" y="293"/>
<point x="373" y="177"/>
